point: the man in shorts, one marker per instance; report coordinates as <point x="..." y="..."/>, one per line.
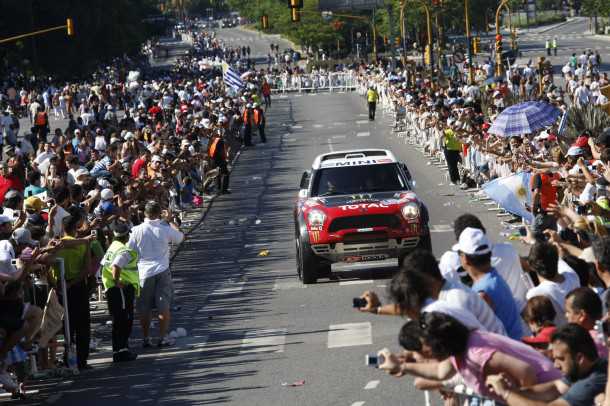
<point x="151" y="241"/>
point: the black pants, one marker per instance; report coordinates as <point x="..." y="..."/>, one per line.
<point x="452" y="158"/>
<point x="267" y="101"/>
<point x="120" y="307"/>
<point x="80" y="320"/>
<point x="548" y="51"/>
<point x="222" y="181"/>
<point x="261" y="133"/>
<point x="247" y="135"/>
<point x="372" y="107"/>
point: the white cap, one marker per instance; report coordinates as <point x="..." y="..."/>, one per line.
<point x="156" y="158"/>
<point x="106" y="194"/>
<point x="473" y="241"/>
<point x="80" y="172"/>
<point x="128" y="135"/>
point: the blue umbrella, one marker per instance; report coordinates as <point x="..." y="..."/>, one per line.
<point x="524" y="118"/>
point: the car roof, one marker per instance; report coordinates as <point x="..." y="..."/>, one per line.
<point x="354" y="157"/>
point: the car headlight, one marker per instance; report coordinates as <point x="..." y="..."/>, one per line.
<point x="316" y="218"/>
<point x="410" y="211"/>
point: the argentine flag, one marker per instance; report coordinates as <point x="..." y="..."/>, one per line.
<point x="512" y="193"/>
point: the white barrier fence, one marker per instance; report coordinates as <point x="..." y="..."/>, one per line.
<point x="313" y="82"/>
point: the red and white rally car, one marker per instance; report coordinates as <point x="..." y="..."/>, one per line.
<point x="356" y="206"/>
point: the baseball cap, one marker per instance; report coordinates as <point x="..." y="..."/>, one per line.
<point x="157" y="158"/>
<point x="473" y="241"/>
<point x="5" y="219"/>
<point x="106" y="194"/>
<point x="34" y="203"/>
<point x="12" y="194"/>
<point x="575" y="151"/>
<point x="581" y="141"/>
<point x="23" y="236"/>
<point x="128" y="135"/>
<point x="543" y="336"/>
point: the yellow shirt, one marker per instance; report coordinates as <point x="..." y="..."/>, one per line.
<point x="371" y="96"/>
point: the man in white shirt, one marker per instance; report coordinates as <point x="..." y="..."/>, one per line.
<point x="504" y="258"/>
<point x="543" y="259"/>
<point x="151" y="240"/>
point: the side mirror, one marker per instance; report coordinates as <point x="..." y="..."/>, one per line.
<point x="302" y="193"/>
<point x="305" y="180"/>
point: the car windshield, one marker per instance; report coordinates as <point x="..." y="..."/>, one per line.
<point x="358" y="179"/>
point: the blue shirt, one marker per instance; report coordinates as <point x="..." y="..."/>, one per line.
<point x="503" y="303"/>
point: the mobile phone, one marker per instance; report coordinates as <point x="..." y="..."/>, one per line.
<point x="16" y="213"/>
<point x="522" y="231"/>
<point x="359" y="302"/>
<point x="372" y="360"/>
<point x="94" y="233"/>
<point x="14" y="261"/>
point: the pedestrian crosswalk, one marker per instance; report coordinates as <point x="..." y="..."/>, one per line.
<point x="349" y="335"/>
<point x="263" y="341"/>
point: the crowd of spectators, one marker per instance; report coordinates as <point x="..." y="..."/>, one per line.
<point x="518" y="330"/>
<point x="99" y="200"/>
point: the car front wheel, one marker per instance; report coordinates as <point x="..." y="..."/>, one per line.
<point x="308" y="263"/>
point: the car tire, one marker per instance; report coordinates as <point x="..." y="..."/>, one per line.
<point x="307" y="263"/>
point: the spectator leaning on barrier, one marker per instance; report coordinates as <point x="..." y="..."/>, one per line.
<point x="122" y="284"/>
<point x="585" y="374"/>
<point x="151" y="240"/>
<point x="584" y="307"/>
<point x="474" y="354"/>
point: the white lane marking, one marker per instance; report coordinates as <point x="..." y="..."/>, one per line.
<point x="330" y="145"/>
<point x="260" y="244"/>
<point x="363" y="115"/>
<point x="234" y="288"/>
<point x="355" y="282"/>
<point x="338" y="136"/>
<point x="338" y="123"/>
<point x="283" y="96"/>
<point x="371" y="385"/>
<point x="268" y="340"/>
<point x="349" y="335"/>
<point x="297" y="127"/>
<point x="441" y="228"/>
<point x="318" y="126"/>
<point x="358" y="403"/>
<point x="280" y="285"/>
<point x="363" y="134"/>
<point x="361" y="121"/>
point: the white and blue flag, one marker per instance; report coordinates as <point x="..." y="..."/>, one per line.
<point x="512" y="193"/>
<point x="231" y="77"/>
<point x="563" y="124"/>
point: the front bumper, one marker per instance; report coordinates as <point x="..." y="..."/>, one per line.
<point x="365" y="251"/>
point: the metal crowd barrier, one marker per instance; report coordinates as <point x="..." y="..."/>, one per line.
<point x="313" y="82"/>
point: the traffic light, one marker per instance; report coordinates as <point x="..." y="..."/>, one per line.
<point x="295" y="15"/>
<point x="476" y="43"/>
<point x="499" y="44"/>
<point x="265" y="22"/>
<point x="295" y="6"/>
<point x="70" y="27"/>
<point x="427" y="58"/>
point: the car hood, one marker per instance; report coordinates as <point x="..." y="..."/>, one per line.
<point x="385" y="198"/>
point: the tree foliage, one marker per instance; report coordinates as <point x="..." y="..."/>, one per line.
<point x="103" y="29"/>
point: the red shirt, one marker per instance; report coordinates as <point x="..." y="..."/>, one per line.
<point x="137" y="166"/>
<point x="8" y="183"/>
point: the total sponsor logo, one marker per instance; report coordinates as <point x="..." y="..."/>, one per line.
<point x="347" y="207"/>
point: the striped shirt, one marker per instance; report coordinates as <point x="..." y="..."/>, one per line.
<point x="462" y="297"/>
<point x="101" y="165"/>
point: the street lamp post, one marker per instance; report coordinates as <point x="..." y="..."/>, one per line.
<point x="469" y="40"/>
